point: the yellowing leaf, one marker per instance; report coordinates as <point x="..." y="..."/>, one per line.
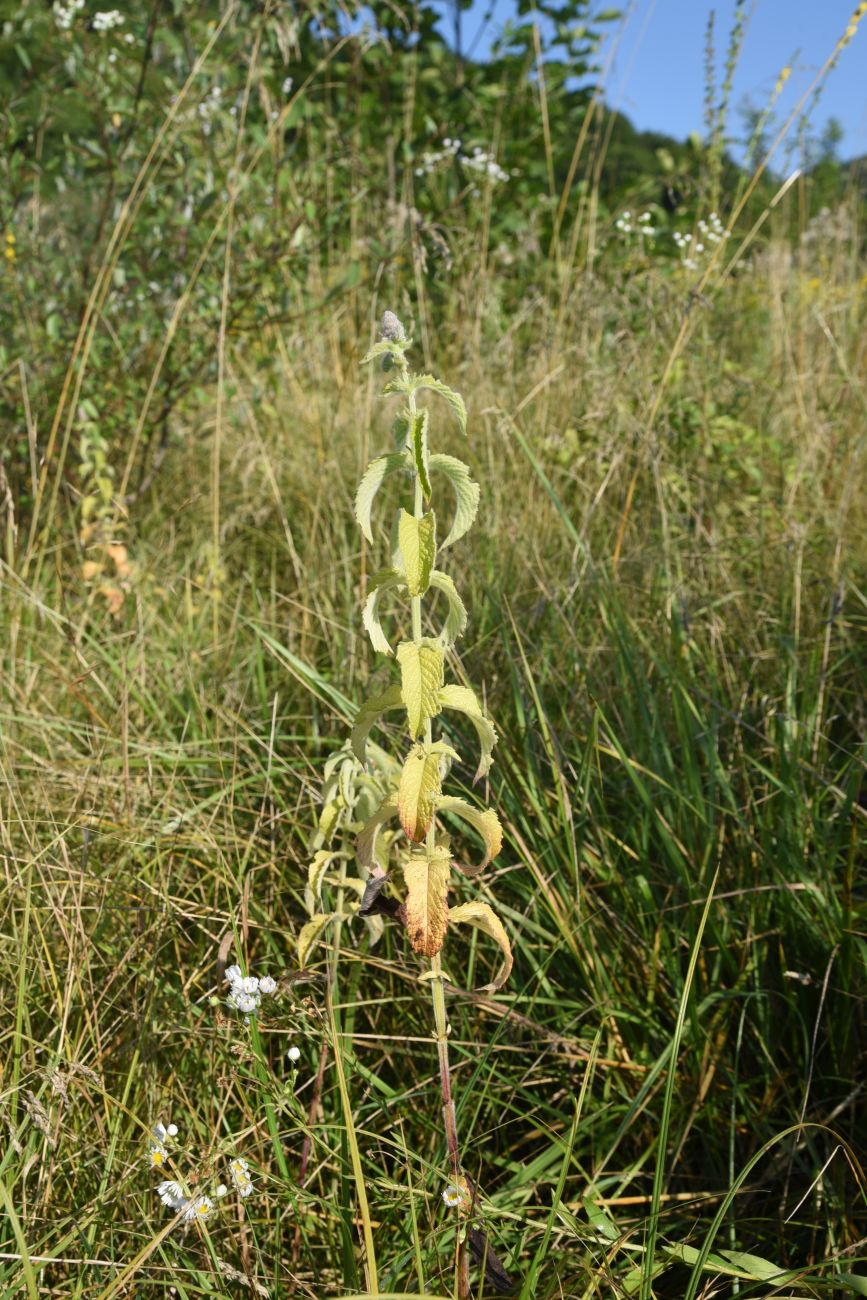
<point x="368" y="714"/>
<point x="426" y="907"/>
<point x="466" y="490"/>
<point x="417" y="539"/>
<point x="380" y="583"/>
<point x="486" y="822"/>
<point x="421" y="668"/>
<point x="485" y="918"/>
<point x="420" y="785"/>
<point x="366" y="846"/>
<point x="456" y="618"/>
<point x="310" y="934"/>
<point x="464" y="700"/>
<point x="374" y="476"/>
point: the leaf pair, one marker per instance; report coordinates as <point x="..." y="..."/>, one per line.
<point x="466" y="490"/>
<point x="484" y="821"/>
<point x="423" y="695"/>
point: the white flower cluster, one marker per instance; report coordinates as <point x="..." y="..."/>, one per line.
<point x="246" y="991"/>
<point x="241" y="1180"/>
<point x="64" y="14"/>
<point x="478" y="161"/>
<point x="157" y="1148"/>
<point x="173" y="1194"/>
<point x="693" y="247"/>
<point x="109" y="18"/>
<point x="287" y="85"/>
<point x="174" y="1198"/>
<point x="643" y="226"/>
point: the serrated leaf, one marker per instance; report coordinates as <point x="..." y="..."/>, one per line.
<point x="456" y="619"/>
<point x="384" y="581"/>
<point x="485" y="918"/>
<point x="455" y="401"/>
<point x="420" y="786"/>
<point x="421" y="667"/>
<point x="464" y="701"/>
<point x="466" y="490"/>
<point x="374" y="476"/>
<point x="366" y="845"/>
<point x="310" y="933"/>
<point x="315" y="875"/>
<point x="386" y="348"/>
<point x="369" y="713"/>
<point x="426" y="907"/>
<point x="417" y="539"/>
<point x="486" y="822"/>
<point x="419" y="446"/>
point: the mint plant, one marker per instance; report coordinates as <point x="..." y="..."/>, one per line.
<point x="405" y="840"/>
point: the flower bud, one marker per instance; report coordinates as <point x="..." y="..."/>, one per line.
<point x="391" y="328"/>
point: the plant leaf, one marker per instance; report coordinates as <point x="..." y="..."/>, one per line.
<point x="486" y="822"/>
<point x="374" y="476"/>
<point x="420" y="786"/>
<point x="485" y="918"/>
<point x="386" y="348"/>
<point x="380" y="583"/>
<point x="456" y="619"/>
<point x="464" y="700"/>
<point x="417" y="539"/>
<point x="419" y="447"/>
<point x="315" y="874"/>
<point x="368" y="714"/>
<point x="422" y="667"/>
<point x="426" y="907"/>
<point x="309" y="935"/>
<point x="366" y="844"/>
<point x="455" y="401"/>
<point x="467" y="493"/>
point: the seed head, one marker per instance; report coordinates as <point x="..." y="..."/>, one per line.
<point x="391" y="328"/>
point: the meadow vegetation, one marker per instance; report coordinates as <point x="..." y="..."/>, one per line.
<point x="667" y="593"/>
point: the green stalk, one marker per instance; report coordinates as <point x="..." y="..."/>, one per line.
<point x="438" y="992"/>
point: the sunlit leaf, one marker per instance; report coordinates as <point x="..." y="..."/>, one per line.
<point x="421" y="666"/>
<point x="464" y="700"/>
<point x="366" y="846"/>
<point x="310" y="935"/>
<point x="420" y="785"/>
<point x="456" y="617"/>
<point x="485" y="918"/>
<point x="417" y="539"/>
<point x="426" y="908"/>
<point x="374" y="476"/>
<point x="381" y="583"/>
<point x="466" y="490"/>
<point x="486" y="822"/>
<point x="455" y="401"/>
<point x="369" y="713"/>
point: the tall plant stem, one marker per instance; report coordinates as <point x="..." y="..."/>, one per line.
<point x="437" y="984"/>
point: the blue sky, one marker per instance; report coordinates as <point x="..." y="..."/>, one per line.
<point x="657" y="74"/>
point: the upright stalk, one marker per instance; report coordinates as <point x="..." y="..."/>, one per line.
<point x="438" y="992"/>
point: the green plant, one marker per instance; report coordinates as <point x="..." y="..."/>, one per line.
<point x="422" y="847"/>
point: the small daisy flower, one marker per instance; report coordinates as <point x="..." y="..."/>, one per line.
<point x="267" y="984"/>
<point x="157" y="1155"/>
<point x="452" y="1196"/>
<point x="249" y="984"/>
<point x="172" y="1130"/>
<point x="172" y="1195"/>
<point x="241" y="1179"/>
<point x="222" y="1189"/>
<point x="199" y="1208"/>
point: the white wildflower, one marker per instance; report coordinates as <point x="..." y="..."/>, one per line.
<point x="198" y="1208"/>
<point x="239" y="1170"/>
<point x="294" y="1054"/>
<point x="267" y="984"/>
<point x="452" y="1196"/>
<point x="172" y="1195"/>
